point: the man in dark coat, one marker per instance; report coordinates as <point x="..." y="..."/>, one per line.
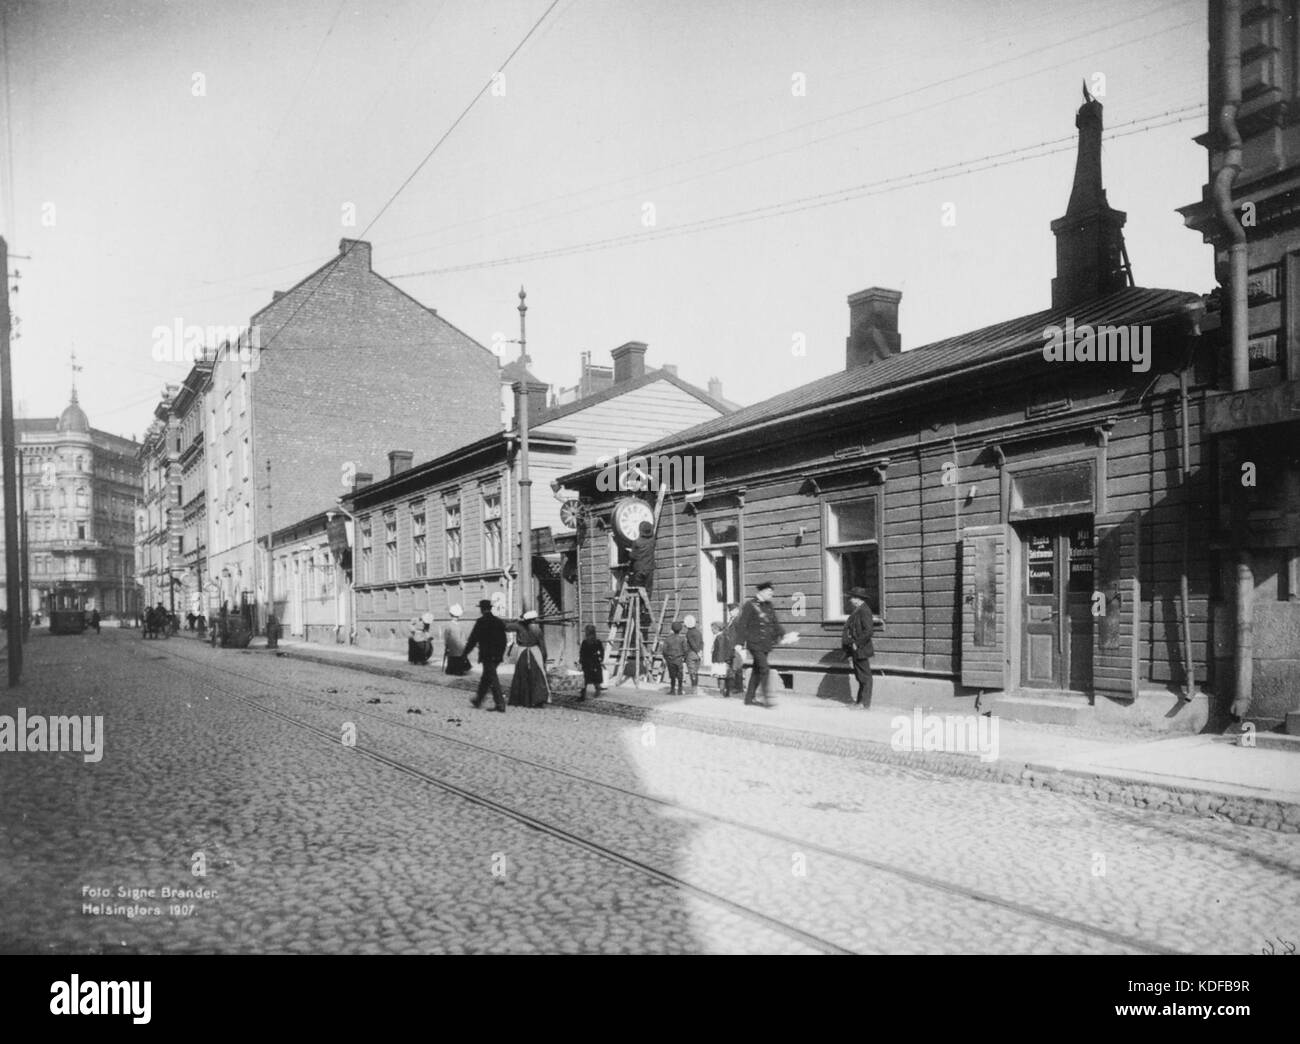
<point x="641" y="571"/>
<point x="759" y="631"/>
<point x="489" y="635"/>
<point x="857" y="645"/>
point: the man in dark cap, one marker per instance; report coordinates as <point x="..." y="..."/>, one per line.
<point x="856" y="642"/>
<point x="641" y="571"/>
<point x="759" y="631"/>
<point x="489" y="634"/>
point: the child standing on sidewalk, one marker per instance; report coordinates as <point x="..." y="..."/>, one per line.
<point x="675" y="650"/>
<point x="591" y="658"/>
<point x="721" y="659"/>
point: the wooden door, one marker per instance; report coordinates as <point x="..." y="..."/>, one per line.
<point x="1041" y="648"/>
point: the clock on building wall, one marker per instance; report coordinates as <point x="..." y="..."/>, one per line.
<point x="629" y="513"/>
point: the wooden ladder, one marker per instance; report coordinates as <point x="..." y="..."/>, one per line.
<point x="628" y="642"/>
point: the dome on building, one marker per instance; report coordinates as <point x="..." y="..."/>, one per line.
<point x="73" y="417"/>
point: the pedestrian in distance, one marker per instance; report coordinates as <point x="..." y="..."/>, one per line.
<point x="694" y="651"/>
<point x="856" y="642"/>
<point x="760" y="631"/>
<point x="94" y="620"/>
<point x="720" y="657"/>
<point x="489" y="636"/>
<point x="530" y="687"/>
<point x="591" y="658"/>
<point x="674" y="653"/>
<point x="454" y="660"/>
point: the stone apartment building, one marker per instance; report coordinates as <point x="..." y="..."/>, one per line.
<point x="78" y="495"/>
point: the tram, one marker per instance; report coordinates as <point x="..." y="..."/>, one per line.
<point x="67" y="608"/>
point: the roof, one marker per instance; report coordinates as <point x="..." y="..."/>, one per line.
<point x="1000" y="343"/>
<point x="621" y="388"/>
<point x="516" y="371"/>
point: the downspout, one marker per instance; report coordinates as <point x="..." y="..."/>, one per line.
<point x="1192" y="314"/>
<point x="1230" y="43"/>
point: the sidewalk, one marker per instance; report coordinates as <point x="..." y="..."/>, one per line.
<point x="1204" y="774"/>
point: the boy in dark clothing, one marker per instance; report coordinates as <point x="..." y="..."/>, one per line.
<point x="591" y="658"/>
<point x="489" y="634"/>
<point x="675" y="650"/>
<point x="694" y="652"/>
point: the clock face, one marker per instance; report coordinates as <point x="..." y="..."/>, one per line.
<point x="629" y="513"/>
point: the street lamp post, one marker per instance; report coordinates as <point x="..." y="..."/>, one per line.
<point x="525" y="483"/>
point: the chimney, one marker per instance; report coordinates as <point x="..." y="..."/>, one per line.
<point x="1090" y="255"/>
<point x="715" y="388"/>
<point x="361" y="479"/>
<point x="357" y="252"/>
<point x="399" y="461"/>
<point x="670" y="368"/>
<point x="537" y="399"/>
<point x="629" y="361"/>
<point x="873" y="326"/>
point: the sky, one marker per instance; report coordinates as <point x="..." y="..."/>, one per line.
<point x="711" y="177"/>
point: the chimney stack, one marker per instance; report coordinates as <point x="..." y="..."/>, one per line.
<point x="873" y="326"/>
<point x="670" y="368"/>
<point x="399" y="461"/>
<point x="629" y="361"/>
<point x="715" y="388"/>
<point x="361" y="479"/>
<point x="1090" y="257"/>
<point x="357" y="252"/>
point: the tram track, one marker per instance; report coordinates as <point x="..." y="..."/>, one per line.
<point x="559" y="832"/>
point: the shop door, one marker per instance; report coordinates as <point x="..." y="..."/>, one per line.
<point x="1058" y="585"/>
<point x="719" y="568"/>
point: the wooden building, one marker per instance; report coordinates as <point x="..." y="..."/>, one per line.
<point x="446" y="532"/>
<point x="1029" y="520"/>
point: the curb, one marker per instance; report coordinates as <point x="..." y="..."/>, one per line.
<point x="1115" y="790"/>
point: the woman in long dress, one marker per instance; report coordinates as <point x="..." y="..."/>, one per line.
<point x="529" y="687"/>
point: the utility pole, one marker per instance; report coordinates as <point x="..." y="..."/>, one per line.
<point x="525" y="483"/>
<point x="13" y="582"/>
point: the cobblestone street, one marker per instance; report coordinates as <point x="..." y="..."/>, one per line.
<point x="440" y="828"/>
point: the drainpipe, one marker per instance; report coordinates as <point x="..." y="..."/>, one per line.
<point x="1192" y="314"/>
<point x="1230" y="43"/>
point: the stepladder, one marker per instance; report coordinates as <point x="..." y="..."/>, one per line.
<point x="635" y="635"/>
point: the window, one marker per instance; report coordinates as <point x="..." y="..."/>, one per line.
<point x="229" y="469"/>
<point x="367" y="552"/>
<point x="1065" y="490"/>
<point x="243" y="393"/>
<point x="81" y="531"/>
<point x="492" y="530"/>
<point x="419" y="545"/>
<point x="452" y="526"/>
<point x="248" y="521"/>
<point x="227" y="414"/>
<point x="247" y="452"/>
<point x="852" y="554"/>
<point x="390" y="545"/>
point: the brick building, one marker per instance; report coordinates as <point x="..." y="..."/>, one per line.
<point x="327" y="378"/>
